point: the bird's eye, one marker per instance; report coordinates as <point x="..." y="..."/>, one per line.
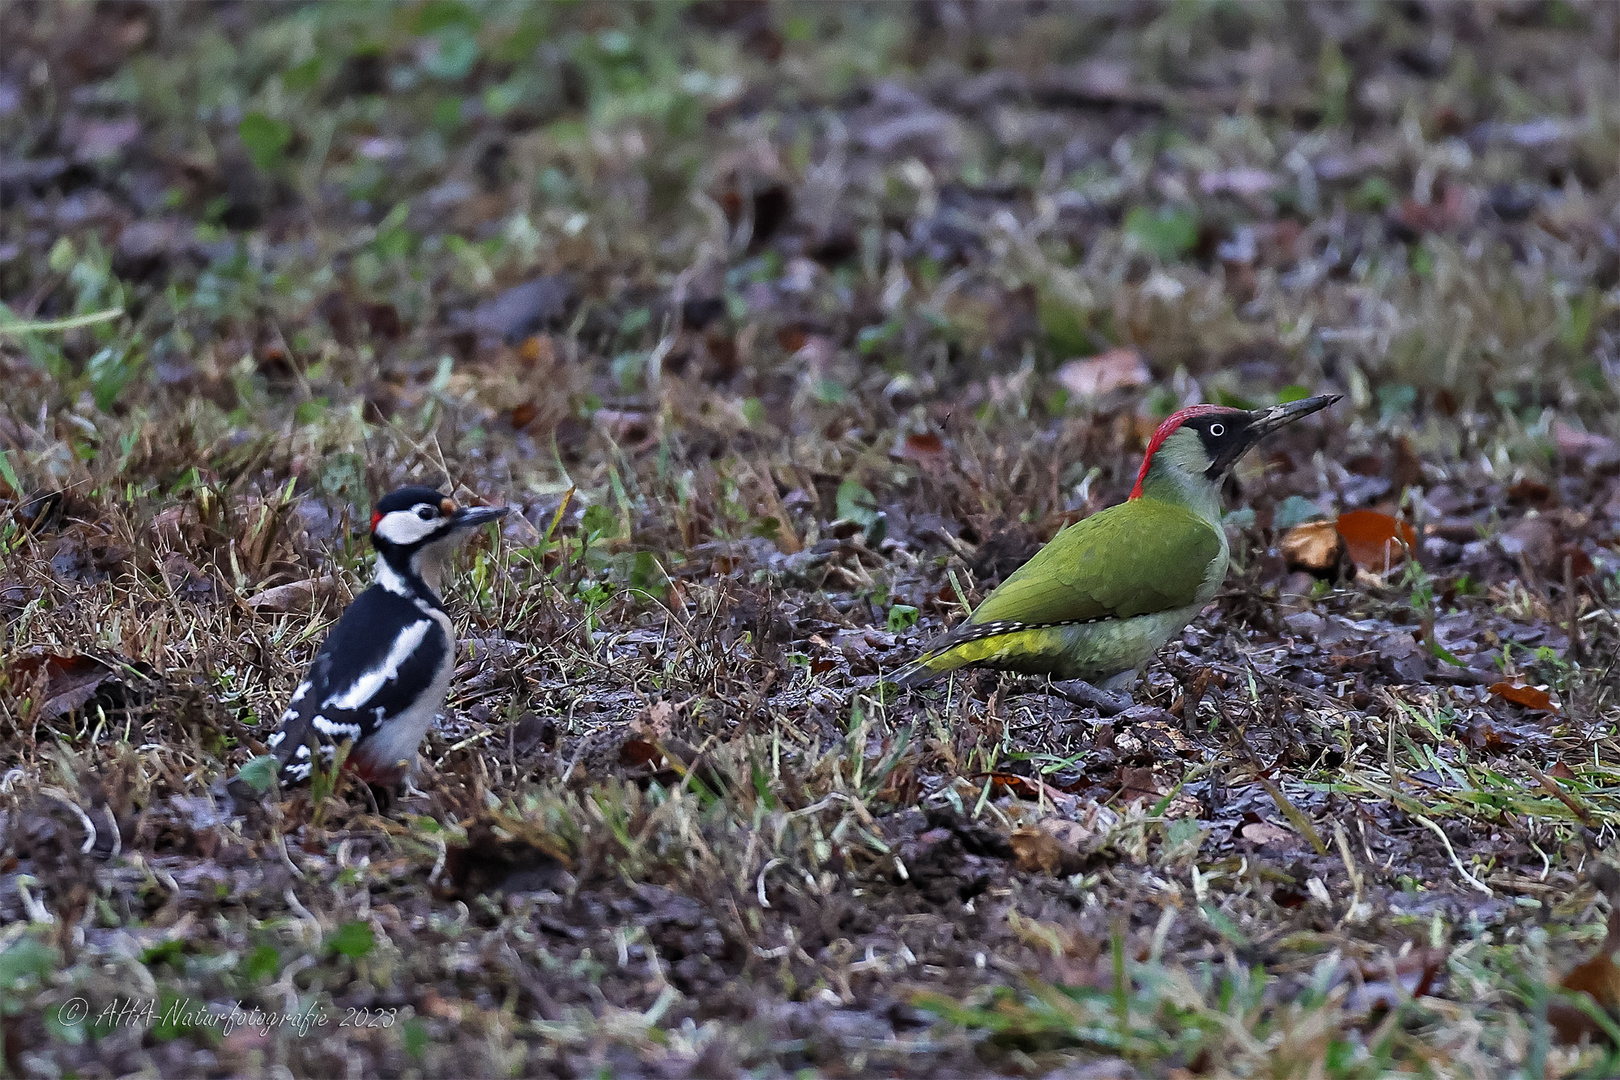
<point x="1217" y="430"/>
<point x="426" y="513"/>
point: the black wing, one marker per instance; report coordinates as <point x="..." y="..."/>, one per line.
<point x="360" y="678"/>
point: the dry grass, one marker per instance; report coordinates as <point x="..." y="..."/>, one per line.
<point x="819" y="269"/>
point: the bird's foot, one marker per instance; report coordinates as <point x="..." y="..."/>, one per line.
<point x="1080" y="692"/>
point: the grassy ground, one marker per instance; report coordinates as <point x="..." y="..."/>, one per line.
<point x="792" y="330"/>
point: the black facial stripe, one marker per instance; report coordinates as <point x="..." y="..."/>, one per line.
<point x="1224" y="436"/>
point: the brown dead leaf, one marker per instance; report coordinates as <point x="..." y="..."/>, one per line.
<point x="69" y="681"/>
<point x="1598" y="978"/>
<point x="1484" y="734"/>
<point x="637" y="752"/>
<point x="1314" y="546"/>
<point x="294" y="596"/>
<point x="1385" y="986"/>
<point x="925" y="448"/>
<point x="655" y="720"/>
<point x="1265" y="833"/>
<point x="1115" y="369"/>
<point x="1530" y="492"/>
<point x="1536" y="541"/>
<point x="1138" y="783"/>
<point x="1529" y="696"/>
<point x="1037" y="850"/>
<point x="1376" y="541"/>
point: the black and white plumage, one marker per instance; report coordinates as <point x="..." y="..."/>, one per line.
<point x="383" y="672"/>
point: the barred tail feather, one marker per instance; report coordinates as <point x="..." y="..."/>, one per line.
<point x="917" y="672"/>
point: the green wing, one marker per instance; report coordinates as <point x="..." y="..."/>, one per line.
<point x="1136" y="558"/>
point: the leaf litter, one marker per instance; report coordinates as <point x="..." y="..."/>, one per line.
<point x="793" y="331"/>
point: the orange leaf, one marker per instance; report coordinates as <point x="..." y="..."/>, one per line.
<point x="1528" y="696"/>
<point x="1376" y="541"/>
<point x="1021" y="787"/>
<point x="925" y="448"/>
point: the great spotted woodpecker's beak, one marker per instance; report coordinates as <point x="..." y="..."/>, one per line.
<point x="1265" y="421"/>
<point x="467" y="518"/>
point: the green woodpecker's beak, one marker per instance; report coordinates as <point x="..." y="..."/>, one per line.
<point x="1265" y="421"/>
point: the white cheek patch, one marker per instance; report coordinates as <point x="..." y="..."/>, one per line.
<point x="404" y="528"/>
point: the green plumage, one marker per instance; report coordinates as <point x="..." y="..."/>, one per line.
<point x="1097" y="601"/>
<point x="1100" y="599"/>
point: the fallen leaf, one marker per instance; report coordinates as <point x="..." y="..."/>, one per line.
<point x="1484" y="734"/>
<point x="1020" y="787"/>
<point x="1383" y="987"/>
<point x="1315" y="546"/>
<point x="295" y="596"/>
<point x="1530" y="492"/>
<point x="1528" y="696"/>
<point x="925" y="448"/>
<point x="1599" y="979"/>
<point x="1536" y="541"/>
<point x="1037" y="850"/>
<point x="1265" y="833"/>
<point x="656" y="719"/>
<point x="636" y="752"/>
<point x="1115" y="369"/>
<point x="70" y="681"/>
<point x="1376" y="541"/>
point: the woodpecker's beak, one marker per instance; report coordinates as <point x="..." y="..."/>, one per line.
<point x="1265" y="421"/>
<point x="470" y="517"/>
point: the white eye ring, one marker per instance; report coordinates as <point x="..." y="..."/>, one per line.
<point x="1217" y="430"/>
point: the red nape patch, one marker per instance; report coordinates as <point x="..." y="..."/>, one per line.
<point x="375" y="517"/>
<point x="1162" y="432"/>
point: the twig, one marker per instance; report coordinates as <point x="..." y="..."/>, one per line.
<point x="1446" y="840"/>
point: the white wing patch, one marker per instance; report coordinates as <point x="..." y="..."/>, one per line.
<point x="366" y="686"/>
<point x="336" y="731"/>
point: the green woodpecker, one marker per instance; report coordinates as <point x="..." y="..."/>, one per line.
<point x="1097" y="602"/>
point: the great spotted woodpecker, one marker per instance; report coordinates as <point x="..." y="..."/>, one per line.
<point x="384" y="670"/>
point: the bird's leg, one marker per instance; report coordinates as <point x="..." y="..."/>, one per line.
<point x="1080" y="692"/>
